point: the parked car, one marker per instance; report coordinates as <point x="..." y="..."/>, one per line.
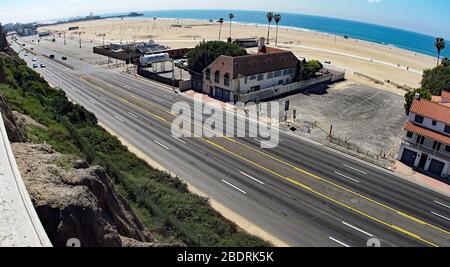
<point x="52" y="56"/>
<point x="35" y="66"/>
<point x="42" y="65"/>
<point x="34" y="59"/>
<point x="64" y="58"/>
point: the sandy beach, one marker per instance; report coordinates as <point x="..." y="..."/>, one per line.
<point x="381" y="62"/>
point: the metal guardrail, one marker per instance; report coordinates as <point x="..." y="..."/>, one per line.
<point x="20" y="225"/>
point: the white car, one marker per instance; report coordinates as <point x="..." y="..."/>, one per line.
<point x="34" y="59"/>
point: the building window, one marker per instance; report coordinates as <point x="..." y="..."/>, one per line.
<point x="447" y="148"/>
<point x="447" y="129"/>
<point x="409" y="134"/>
<point x="255" y="88"/>
<point x="434" y="123"/>
<point x="260" y="77"/>
<point x="436" y="145"/>
<point x="277" y="73"/>
<point x="280" y="82"/>
<point x="270" y="75"/>
<point x="252" y="78"/>
<point x="285" y="72"/>
<point x="246" y="80"/>
<point x="217" y="76"/>
<point x="226" y="79"/>
<point x="208" y="74"/>
<point x="420" y="139"/>
<point x="418" y="119"/>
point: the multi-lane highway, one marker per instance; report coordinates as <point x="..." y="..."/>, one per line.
<point x="300" y="192"/>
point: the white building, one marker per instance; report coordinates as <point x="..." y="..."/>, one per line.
<point x="229" y="77"/>
<point x="426" y="146"/>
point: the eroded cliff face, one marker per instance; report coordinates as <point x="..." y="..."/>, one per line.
<point x="74" y="200"/>
<point x="15" y="133"/>
<point x="4" y="47"/>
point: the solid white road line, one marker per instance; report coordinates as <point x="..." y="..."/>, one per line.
<point x="357" y="229"/>
<point x="235" y="187"/>
<point x="136" y="97"/>
<point x="133" y="115"/>
<point x="345" y="176"/>
<point x="442" y="204"/>
<point x="441" y="216"/>
<point x="161" y="145"/>
<point x="118" y="118"/>
<point x="355" y="169"/>
<point x="254" y="179"/>
<point x="339" y="242"/>
<point x="178" y="139"/>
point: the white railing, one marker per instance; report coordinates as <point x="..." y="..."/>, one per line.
<point x="19" y="223"/>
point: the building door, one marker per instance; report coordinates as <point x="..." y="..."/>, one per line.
<point x="409" y="157"/>
<point x="436" y="167"/>
<point x="423" y="161"/>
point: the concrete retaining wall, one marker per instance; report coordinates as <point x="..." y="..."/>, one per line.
<point x="20" y="225"/>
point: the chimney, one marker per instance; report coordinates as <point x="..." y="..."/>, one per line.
<point x="417" y="96"/>
<point x="262" y="44"/>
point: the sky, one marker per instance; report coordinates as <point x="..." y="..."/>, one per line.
<point x="425" y="16"/>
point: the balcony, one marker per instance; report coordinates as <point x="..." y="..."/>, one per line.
<point x="428" y="150"/>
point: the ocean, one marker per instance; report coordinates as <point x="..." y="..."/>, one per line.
<point x="408" y="40"/>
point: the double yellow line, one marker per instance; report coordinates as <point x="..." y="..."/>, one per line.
<point x="305" y="187"/>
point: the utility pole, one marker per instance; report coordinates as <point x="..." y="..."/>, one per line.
<point x="65" y="38"/>
<point x="79" y="37"/>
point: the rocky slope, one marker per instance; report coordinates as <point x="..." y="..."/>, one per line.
<point x="15" y="133"/>
<point x="74" y="200"/>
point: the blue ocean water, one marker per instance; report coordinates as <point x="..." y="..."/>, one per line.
<point x="412" y="41"/>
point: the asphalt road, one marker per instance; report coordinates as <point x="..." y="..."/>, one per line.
<point x="300" y="192"/>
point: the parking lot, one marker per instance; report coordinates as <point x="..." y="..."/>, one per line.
<point x="364" y="120"/>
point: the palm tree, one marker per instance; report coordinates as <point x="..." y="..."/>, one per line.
<point x="440" y="45"/>
<point x="269" y="19"/>
<point x="220" y="31"/>
<point x="231" y="17"/>
<point x="277" y="18"/>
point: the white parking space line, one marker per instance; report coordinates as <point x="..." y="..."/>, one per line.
<point x="92" y="101"/>
<point x="162" y="145"/>
<point x="254" y="179"/>
<point x="357" y="229"/>
<point x="355" y="169"/>
<point x="235" y="187"/>
<point x="118" y="118"/>
<point x="178" y="139"/>
<point x="441" y="216"/>
<point x="102" y="98"/>
<point x="339" y="242"/>
<point x="133" y="115"/>
<point x="442" y="204"/>
<point x="345" y="176"/>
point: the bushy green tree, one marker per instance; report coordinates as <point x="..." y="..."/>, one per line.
<point x="409" y="97"/>
<point x="308" y="69"/>
<point x="206" y="52"/>
<point x="438" y="79"/>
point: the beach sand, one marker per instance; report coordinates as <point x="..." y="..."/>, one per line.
<point x="381" y="62"/>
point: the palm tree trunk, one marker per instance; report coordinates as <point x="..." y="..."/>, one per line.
<point x="220" y="32"/>
<point x="268" y="35"/>
<point x="276" y="38"/>
<point x="439" y="57"/>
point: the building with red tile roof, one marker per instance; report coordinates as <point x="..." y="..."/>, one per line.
<point x="426" y="146"/>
